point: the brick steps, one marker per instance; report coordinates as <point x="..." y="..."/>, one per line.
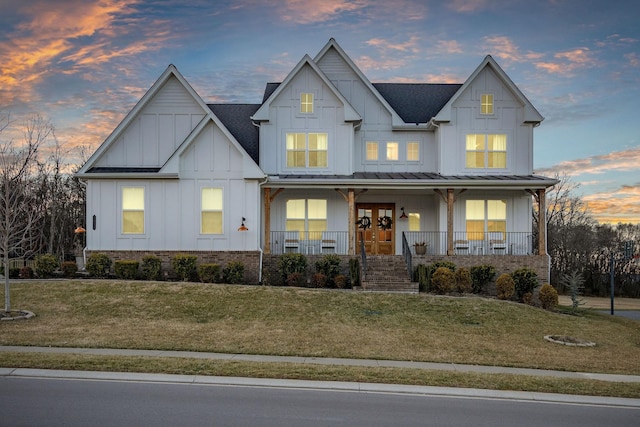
<point x="387" y="273"/>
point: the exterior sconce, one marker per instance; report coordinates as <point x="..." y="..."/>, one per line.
<point x="242" y="226"/>
<point x="79" y="230"/>
<point x="404" y="215"/>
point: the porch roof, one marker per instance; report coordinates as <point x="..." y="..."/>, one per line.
<point x="411" y="180"/>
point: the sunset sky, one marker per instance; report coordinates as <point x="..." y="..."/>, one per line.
<point x="84" y="64"/>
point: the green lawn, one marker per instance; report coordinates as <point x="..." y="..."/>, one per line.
<point x="304" y="322"/>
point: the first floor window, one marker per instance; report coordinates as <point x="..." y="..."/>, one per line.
<point x="414" y="221"/>
<point x="308" y="217"/>
<point x="486" y="151"/>
<point x="133" y="210"/>
<point x="485" y="216"/>
<point x="307" y="150"/>
<point x="211" y="211"/>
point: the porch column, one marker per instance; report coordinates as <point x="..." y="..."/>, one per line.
<point x="267" y="220"/>
<point x="352" y="221"/>
<point x="542" y="221"/>
<point x="450" y="200"/>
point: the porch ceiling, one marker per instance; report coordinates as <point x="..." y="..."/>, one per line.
<point x="399" y="180"/>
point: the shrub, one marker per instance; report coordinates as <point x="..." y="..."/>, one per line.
<point x="292" y="263"/>
<point x="98" y="265"/>
<point x="209" y="273"/>
<point x="45" y="265"/>
<point x="26" y="273"/>
<point x="548" y="297"/>
<point x="443" y="280"/>
<point x="126" y="269"/>
<point x="185" y="266"/>
<point x="329" y="265"/>
<point x="69" y="268"/>
<point x="354" y="271"/>
<point x="151" y="267"/>
<point x="525" y="281"/>
<point x="528" y="298"/>
<point x="505" y="287"/>
<point x="341" y="281"/>
<point x="319" y="280"/>
<point x="233" y="272"/>
<point x="14" y="273"/>
<point x="463" y="280"/>
<point x="295" y="279"/>
<point x="481" y="275"/>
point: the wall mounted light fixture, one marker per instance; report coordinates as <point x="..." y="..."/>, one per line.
<point x="242" y="226"/>
<point x="404" y="215"/>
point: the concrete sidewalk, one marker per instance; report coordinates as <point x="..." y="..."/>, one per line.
<point x="452" y="367"/>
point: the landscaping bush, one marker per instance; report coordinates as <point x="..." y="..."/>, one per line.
<point x="98" y="265"/>
<point x="295" y="279"/>
<point x="463" y="280"/>
<point x="69" y="268"/>
<point x="443" y="280"/>
<point x="151" y="267"/>
<point x="505" y="287"/>
<point x="548" y="297"/>
<point x="209" y="273"/>
<point x="329" y="265"/>
<point x="126" y="269"/>
<point x="481" y="275"/>
<point x="319" y="280"/>
<point x="525" y="281"/>
<point x="14" y="273"/>
<point x="341" y="281"/>
<point x="354" y="271"/>
<point x="233" y="272"/>
<point x="26" y="272"/>
<point x="46" y="265"/>
<point x="292" y="263"/>
<point x="185" y="266"/>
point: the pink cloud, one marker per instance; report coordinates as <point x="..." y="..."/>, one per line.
<point x="466" y="6"/>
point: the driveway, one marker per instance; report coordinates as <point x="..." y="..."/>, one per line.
<point x="624" y="307"/>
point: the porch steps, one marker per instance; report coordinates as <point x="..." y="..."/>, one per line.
<point x="388" y="273"/>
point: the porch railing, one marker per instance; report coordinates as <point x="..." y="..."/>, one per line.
<point x="406" y="253"/>
<point x="466" y="243"/>
<point x="310" y="242"/>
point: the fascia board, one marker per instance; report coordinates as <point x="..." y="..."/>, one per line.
<point x="350" y="114"/>
<point x="170" y="71"/>
<point x="395" y="118"/>
<point x="531" y="114"/>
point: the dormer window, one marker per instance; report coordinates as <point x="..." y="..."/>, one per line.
<point x="486" y="104"/>
<point x="306" y="103"/>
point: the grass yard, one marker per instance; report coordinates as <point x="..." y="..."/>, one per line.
<point x="321" y="323"/>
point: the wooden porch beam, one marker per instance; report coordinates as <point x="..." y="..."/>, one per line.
<point x="352" y="221"/>
<point x="542" y="221"/>
<point x="451" y="197"/>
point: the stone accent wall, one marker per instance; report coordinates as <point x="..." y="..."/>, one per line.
<point x="251" y="260"/>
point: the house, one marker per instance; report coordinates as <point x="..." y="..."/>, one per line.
<point x="329" y="162"/>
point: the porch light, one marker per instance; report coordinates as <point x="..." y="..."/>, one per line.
<point x="79" y="230"/>
<point x="242" y="226"/>
<point x="404" y="215"/>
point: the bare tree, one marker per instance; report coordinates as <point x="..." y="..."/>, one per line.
<point x="18" y="218"/>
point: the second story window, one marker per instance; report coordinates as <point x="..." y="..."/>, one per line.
<point x="413" y="151"/>
<point x="486" y="151"/>
<point x="372" y="150"/>
<point x="307" y="150"/>
<point x="306" y="103"/>
<point x="486" y="104"/>
<point x="392" y="151"/>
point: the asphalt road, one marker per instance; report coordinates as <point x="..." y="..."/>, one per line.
<point x="73" y="402"/>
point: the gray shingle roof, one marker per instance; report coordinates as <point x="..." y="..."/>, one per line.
<point x="236" y="118"/>
<point x="416" y="102"/>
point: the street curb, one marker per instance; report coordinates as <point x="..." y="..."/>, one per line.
<point x="356" y="387"/>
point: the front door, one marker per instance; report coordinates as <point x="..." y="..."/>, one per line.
<point x="376" y="228"/>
